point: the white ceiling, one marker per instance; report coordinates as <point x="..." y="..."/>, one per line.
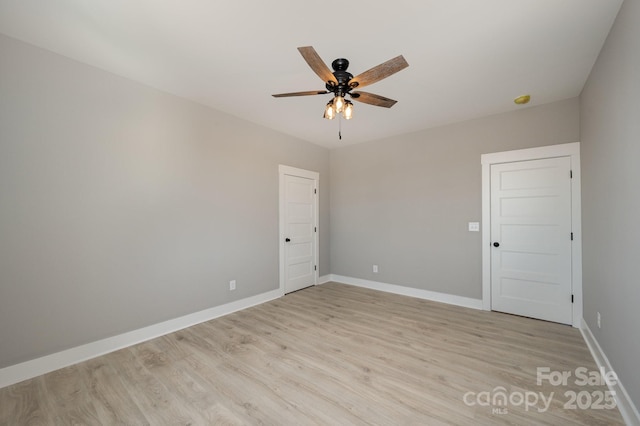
<point x="467" y="58"/>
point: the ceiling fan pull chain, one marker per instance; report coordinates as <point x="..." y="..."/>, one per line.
<point x="339" y="127"/>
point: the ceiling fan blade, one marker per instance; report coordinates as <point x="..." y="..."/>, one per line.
<point x="317" y="64"/>
<point x="373" y="99"/>
<point x="379" y="72"/>
<point x="310" y="92"/>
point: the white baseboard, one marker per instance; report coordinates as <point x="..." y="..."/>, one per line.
<point x="46" y="364"/>
<point x="324" y="279"/>
<point x="626" y="406"/>
<point x="450" y="299"/>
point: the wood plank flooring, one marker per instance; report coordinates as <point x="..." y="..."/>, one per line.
<point x="328" y="355"/>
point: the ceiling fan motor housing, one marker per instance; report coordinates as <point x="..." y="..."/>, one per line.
<point x="341" y="75"/>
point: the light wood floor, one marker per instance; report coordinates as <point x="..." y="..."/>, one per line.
<point x="328" y="355"/>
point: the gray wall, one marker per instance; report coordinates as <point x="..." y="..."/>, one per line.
<point x="122" y="206"/>
<point x="610" y="132"/>
<point x="404" y="203"/>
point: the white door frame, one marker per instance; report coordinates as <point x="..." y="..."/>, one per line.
<point x="564" y="150"/>
<point x="292" y="171"/>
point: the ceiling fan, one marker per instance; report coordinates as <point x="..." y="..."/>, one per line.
<point x="340" y="82"/>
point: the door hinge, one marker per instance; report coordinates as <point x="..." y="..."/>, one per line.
<point x="570" y="174"/>
<point x="315" y="229"/>
<point x="572" y="298"/>
<point x="315" y="191"/>
<point x="572" y="236"/>
<point x="315" y="267"/>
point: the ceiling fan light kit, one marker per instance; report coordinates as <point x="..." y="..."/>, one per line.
<point x="340" y="82"/>
<point x="338" y="105"/>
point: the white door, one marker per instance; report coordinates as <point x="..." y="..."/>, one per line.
<point x="531" y="239"/>
<point x="299" y="231"/>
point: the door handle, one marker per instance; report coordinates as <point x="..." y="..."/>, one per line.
<point x="496" y="244"/>
<point x="286" y="240"/>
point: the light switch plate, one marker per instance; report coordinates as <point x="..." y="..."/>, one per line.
<point x="474" y="226"/>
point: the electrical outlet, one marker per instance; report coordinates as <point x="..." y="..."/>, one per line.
<point x="599" y="320"/>
<point x="375" y="269"/>
<point x="232" y="285"/>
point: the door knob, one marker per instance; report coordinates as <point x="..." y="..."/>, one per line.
<point x="496" y="244"/>
<point x="286" y="240"/>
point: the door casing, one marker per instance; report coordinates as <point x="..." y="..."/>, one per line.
<point x="292" y="171"/>
<point x="563" y="150"/>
